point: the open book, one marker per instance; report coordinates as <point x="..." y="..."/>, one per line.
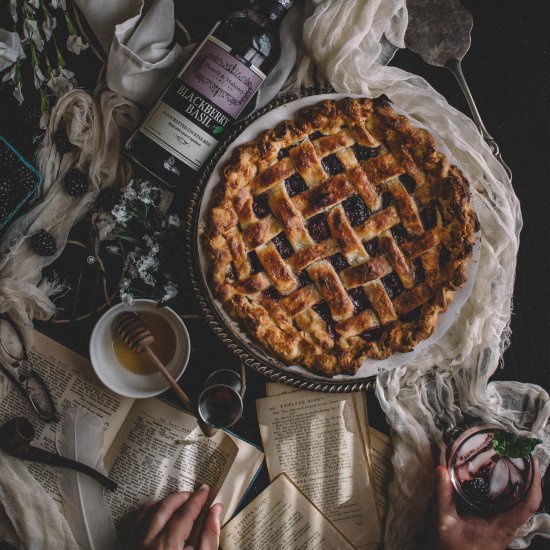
<point x="151" y="447"/>
<point x="337" y="471"/>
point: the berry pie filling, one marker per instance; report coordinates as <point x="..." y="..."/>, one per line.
<point x="260" y="205"/>
<point x="345" y="235"/>
<point x="356" y="210"/>
<point x="295" y="185"/>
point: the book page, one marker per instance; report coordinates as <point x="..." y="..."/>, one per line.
<point x="71" y="381"/>
<point x="160" y="450"/>
<point x="240" y="477"/>
<point x="281" y="518"/>
<point x="317" y="441"/>
<point x="380" y="447"/>
<point x="382" y="450"/>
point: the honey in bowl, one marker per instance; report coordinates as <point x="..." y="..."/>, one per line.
<point x="164" y="346"/>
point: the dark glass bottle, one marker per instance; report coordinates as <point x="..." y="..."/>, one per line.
<point x="196" y="110"/>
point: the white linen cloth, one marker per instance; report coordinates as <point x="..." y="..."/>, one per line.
<point x="345" y="44"/>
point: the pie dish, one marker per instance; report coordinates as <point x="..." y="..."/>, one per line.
<point x="340" y="235"/>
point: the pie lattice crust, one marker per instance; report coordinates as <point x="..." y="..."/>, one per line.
<point x="340" y="235"/>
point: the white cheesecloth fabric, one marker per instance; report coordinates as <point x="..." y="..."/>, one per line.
<point x="344" y="42"/>
<point x="347" y="45"/>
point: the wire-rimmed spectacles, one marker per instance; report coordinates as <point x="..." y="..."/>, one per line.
<point x="15" y="364"/>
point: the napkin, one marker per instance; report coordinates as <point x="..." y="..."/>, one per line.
<point x="138" y="39"/>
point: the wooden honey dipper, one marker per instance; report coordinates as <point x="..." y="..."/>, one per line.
<point x="137" y="336"/>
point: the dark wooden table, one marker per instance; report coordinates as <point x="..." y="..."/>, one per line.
<point x="508" y="69"/>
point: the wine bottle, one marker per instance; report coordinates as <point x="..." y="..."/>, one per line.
<point x="221" y="77"/>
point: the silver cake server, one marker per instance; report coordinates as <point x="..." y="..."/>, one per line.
<point x="439" y="31"/>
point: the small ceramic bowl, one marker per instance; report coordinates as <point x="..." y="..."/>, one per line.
<point x="117" y="377"/>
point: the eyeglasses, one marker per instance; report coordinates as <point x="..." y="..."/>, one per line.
<point x="21" y="373"/>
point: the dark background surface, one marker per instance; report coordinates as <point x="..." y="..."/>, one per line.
<point x="508" y="70"/>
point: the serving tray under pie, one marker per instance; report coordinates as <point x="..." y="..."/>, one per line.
<point x="228" y="330"/>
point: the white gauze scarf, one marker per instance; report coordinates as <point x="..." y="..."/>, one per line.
<point x="349" y="43"/>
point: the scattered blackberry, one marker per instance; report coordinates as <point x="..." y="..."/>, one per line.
<point x="107" y="199"/>
<point x="43" y="243"/>
<point x="62" y="142"/>
<point x="476" y="488"/>
<point x="30" y="114"/>
<point x="76" y="183"/>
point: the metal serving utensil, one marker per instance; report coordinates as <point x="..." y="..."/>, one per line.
<point x="439" y="31"/>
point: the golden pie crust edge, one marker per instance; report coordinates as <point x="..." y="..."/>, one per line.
<point x="415" y="150"/>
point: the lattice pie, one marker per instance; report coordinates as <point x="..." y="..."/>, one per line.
<point x="340" y="235"/>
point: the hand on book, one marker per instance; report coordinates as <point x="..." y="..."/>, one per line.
<point x="456" y="532"/>
<point x="169" y="522"/>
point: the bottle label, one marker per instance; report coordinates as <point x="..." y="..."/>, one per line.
<point x="210" y="92"/>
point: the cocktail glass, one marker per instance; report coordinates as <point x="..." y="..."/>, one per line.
<point x="484" y="480"/>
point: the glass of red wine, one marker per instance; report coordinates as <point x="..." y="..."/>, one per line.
<point x="220" y="404"/>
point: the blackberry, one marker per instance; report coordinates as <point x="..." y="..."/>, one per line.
<point x="107" y="199"/>
<point x="62" y="142"/>
<point x="43" y="243"/>
<point x="476" y="488"/>
<point x="76" y="183"/>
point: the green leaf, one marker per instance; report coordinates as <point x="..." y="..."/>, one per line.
<point x="512" y="446"/>
<point x="217" y="130"/>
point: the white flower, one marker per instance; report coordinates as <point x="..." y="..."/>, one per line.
<point x="44" y="119"/>
<point x="38" y="77"/>
<point x="10" y="49"/>
<point x="120" y="214"/>
<point x="10" y="75"/>
<point x="59" y="4"/>
<point x="170" y="291"/>
<point x="31" y="32"/>
<point x="113" y="249"/>
<point x="61" y="81"/>
<point x="130" y="265"/>
<point x="130" y="193"/>
<point x="34" y="3"/>
<point x="125" y="284"/>
<point x="152" y="245"/>
<point x="105" y="224"/>
<point x="75" y="44"/>
<point x="146" y="266"/>
<point x="127" y="299"/>
<point x="48" y="25"/>
<point x="13" y="9"/>
<point x="18" y="93"/>
<point x="145" y="187"/>
<point x="174" y="220"/>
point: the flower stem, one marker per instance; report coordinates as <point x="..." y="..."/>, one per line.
<point x="70" y="26"/>
<point x="60" y="59"/>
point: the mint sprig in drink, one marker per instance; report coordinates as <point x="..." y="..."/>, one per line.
<point x="491" y="469"/>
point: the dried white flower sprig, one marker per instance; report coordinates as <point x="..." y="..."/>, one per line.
<point x="150" y="265"/>
<point x="34" y="39"/>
